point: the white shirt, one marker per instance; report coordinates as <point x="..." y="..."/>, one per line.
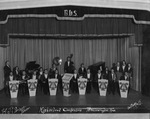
<point x="126" y="77"/>
<point x="16" y="71"/>
<point x="88" y="76"/>
<point x="117" y="68"/>
<point x="46" y="75"/>
<point x="99" y="76"/>
<point x="68" y="63"/>
<point x="129" y="68"/>
<point x="56" y="75"/>
<point x="123" y="67"/>
<point x="41" y="73"/>
<point x="75" y="75"/>
<point x="23" y="77"/>
<point x="34" y="77"/>
<point x="112" y="76"/>
<point x="11" y="78"/>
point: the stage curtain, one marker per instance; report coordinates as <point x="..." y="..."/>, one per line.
<point x="87" y="51"/>
<point x="3" y="57"/>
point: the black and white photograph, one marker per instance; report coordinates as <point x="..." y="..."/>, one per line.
<point x="75" y="59"/>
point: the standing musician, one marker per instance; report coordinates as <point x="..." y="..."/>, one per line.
<point x="52" y="70"/>
<point x="69" y="65"/>
<point x="34" y="75"/>
<point x="7" y="70"/>
<point x="16" y="72"/>
<point x="130" y="70"/>
<point x="89" y="77"/>
<point x="9" y="78"/>
<point x="106" y="73"/>
<point x="113" y="83"/>
<point x="101" y="68"/>
<point x="39" y="74"/>
<point x="56" y="75"/>
<point x="118" y="70"/>
<point x="23" y="82"/>
<point x="44" y="79"/>
<point x="82" y="70"/>
<point x="74" y="82"/>
<point x="98" y="76"/>
<point x="123" y="67"/>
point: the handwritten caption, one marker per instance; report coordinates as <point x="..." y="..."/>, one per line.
<point x="15" y="110"/>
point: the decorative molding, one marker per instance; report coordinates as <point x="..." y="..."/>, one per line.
<point x="126" y="4"/>
<point x="60" y="36"/>
<point x="75" y="18"/>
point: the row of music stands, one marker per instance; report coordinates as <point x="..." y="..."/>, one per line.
<point x="82" y="83"/>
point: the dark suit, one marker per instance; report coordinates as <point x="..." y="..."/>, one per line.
<point x="95" y="81"/>
<point x="45" y="86"/>
<point x="69" y="68"/>
<point x="16" y="74"/>
<point x="117" y="69"/>
<point x="23" y="86"/>
<point x="119" y="72"/>
<point x="58" y="76"/>
<point x="82" y="72"/>
<point x="123" y="70"/>
<point x="106" y="75"/>
<point x="7" y="84"/>
<point x="7" y="71"/>
<point x="74" y="83"/>
<point x="113" y="83"/>
<point x="89" y="82"/>
<point x="127" y="78"/>
<point x="130" y="71"/>
<point x="39" y="85"/>
<point x="52" y="71"/>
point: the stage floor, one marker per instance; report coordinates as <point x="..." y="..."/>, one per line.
<point x="75" y="100"/>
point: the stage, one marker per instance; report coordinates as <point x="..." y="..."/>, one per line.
<point x="89" y="103"/>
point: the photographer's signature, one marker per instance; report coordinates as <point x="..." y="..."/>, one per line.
<point x="134" y="105"/>
<point x="15" y="110"/>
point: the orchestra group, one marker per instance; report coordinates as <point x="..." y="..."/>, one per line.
<point x="119" y="71"/>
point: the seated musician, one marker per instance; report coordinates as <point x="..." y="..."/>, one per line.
<point x="74" y="82"/>
<point x="23" y="82"/>
<point x="56" y="75"/>
<point x="16" y="72"/>
<point x="44" y="79"/>
<point x="52" y="70"/>
<point x="89" y="77"/>
<point x="126" y="77"/>
<point x="98" y="76"/>
<point x="82" y="70"/>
